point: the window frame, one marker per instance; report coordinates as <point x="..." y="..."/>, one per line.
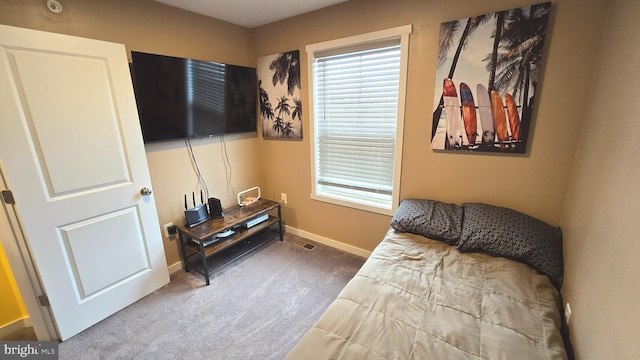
<point x="401" y="33"/>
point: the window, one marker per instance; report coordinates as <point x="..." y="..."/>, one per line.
<point x="357" y="91"/>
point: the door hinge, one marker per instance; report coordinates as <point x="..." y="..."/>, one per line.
<point x="44" y="300"/>
<point x="7" y="197"/>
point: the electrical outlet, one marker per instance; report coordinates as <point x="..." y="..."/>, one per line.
<point x="169" y="229"/>
<point x="283" y="197"/>
<point x="567" y="313"/>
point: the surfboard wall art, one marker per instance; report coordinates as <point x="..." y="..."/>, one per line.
<point x="488" y="69"/>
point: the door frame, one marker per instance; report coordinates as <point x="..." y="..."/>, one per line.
<point x="23" y="268"/>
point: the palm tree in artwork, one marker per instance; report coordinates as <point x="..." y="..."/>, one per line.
<point x="522" y="43"/>
<point x="287" y="131"/>
<point x="278" y="125"/>
<point x="297" y="109"/>
<point x="283" y="107"/>
<point x="517" y="66"/>
<point x="448" y="31"/>
<point x="493" y="57"/>
<point x="266" y="111"/>
<point x="286" y="67"/>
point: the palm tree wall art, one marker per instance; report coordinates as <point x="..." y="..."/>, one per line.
<point x="279" y="95"/>
<point x="486" y="77"/>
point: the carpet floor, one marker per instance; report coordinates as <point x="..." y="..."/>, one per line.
<point x="257" y="307"/>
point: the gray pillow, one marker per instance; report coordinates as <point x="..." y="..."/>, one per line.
<point x="508" y="233"/>
<point x="433" y="219"/>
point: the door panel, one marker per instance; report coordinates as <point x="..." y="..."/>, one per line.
<point x="94" y="255"/>
<point x="51" y="114"/>
<point x="72" y="150"/>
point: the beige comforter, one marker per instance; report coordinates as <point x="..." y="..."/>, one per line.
<point x="417" y="298"/>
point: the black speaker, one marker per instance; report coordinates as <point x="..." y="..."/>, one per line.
<point x="215" y="208"/>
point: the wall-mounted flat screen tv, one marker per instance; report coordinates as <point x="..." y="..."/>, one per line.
<point x="184" y="98"/>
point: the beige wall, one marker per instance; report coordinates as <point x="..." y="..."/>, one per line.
<point x="141" y="25"/>
<point x="600" y="219"/>
<point x="534" y="183"/>
<point x="149" y="26"/>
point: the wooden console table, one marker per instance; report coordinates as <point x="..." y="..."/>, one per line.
<point x="199" y="243"/>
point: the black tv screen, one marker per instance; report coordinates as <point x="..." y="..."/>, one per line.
<point x="184" y="98"/>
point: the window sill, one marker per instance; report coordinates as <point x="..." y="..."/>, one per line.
<point x="352" y="204"/>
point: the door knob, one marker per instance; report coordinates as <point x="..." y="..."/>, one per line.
<point x="145" y="191"/>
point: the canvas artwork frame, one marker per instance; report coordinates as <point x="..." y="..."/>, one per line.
<point x="279" y="96"/>
<point x="486" y="78"/>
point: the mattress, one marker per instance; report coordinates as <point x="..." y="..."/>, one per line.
<point x="418" y="298"/>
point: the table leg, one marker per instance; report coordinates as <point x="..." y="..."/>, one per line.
<point x="183" y="253"/>
<point x="280" y="222"/>
<point x="205" y="266"/>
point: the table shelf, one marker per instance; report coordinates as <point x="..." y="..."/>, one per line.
<point x="200" y="257"/>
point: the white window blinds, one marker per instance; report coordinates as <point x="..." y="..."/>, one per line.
<point x="357" y="95"/>
<point x="355" y="117"/>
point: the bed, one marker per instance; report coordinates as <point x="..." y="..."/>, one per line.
<point x="470" y="281"/>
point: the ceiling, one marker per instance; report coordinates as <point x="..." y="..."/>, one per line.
<point x="250" y="13"/>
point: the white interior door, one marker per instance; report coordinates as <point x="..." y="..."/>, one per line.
<point x="71" y="149"/>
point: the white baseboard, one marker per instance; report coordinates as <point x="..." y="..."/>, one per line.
<point x="175" y="267"/>
<point x="14" y="326"/>
<point x="329" y="242"/>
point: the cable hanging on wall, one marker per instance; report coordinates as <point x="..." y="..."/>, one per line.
<point x="201" y="184"/>
<point x="226" y="155"/>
